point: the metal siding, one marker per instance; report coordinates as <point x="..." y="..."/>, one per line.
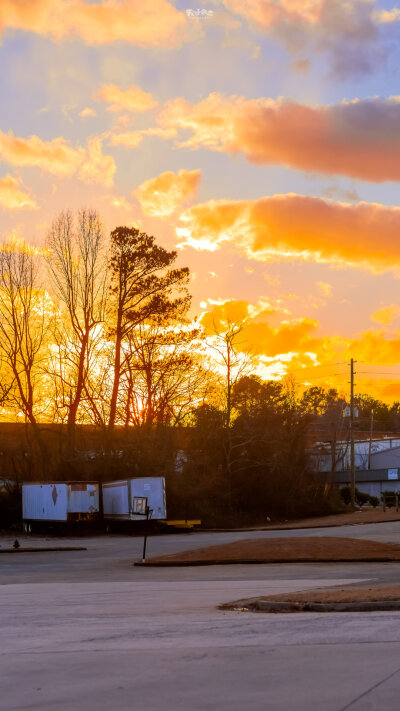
<point x="388" y="459"/>
<point x="154" y="489"/>
<point x="83" y="501"/>
<point x="44" y="502"/>
<point x="322" y="460"/>
<point x="116" y="499"/>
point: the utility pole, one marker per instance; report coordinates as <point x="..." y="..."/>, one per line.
<point x="352" y="457"/>
<point x="371" y="430"/>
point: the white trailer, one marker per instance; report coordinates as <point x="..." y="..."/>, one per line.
<point x="60" y="502"/>
<point x="118" y="498"/>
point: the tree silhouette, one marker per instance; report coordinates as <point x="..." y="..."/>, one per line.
<point x="142" y="287"/>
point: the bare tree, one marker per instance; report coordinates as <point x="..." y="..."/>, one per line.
<point x="234" y="360"/>
<point x="77" y="264"/>
<point x="25" y="317"/>
<point x="165" y="377"/>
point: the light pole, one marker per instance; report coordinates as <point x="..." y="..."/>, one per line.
<point x="352" y="456"/>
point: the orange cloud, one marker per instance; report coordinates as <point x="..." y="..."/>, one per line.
<point x="59" y="158"/>
<point x="325" y="288"/>
<point x="155" y="24"/>
<point x="87" y="112"/>
<point x="222" y="314"/>
<point x="11" y="197"/>
<point x="386" y="315"/>
<point x="132" y="99"/>
<point x="359" y="138"/>
<point x="257" y="336"/>
<point x="131" y="139"/>
<point x="298" y="227"/>
<point x="294" y="347"/>
<point x="163" y="195"/>
<point x="97" y="168"/>
<point x="385" y="16"/>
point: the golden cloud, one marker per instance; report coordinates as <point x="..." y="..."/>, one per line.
<point x="385" y="16"/>
<point x="87" y="111"/>
<point x="15" y="243"/>
<point x="298" y="227"/>
<point x="386" y="315"/>
<point x="131" y="139"/>
<point x="163" y="195"/>
<point x="97" y="168"/>
<point x="11" y="197"/>
<point x="59" y="158"/>
<point x="294" y="346"/>
<point x="132" y="99"/>
<point x="325" y="288"/>
<point x="155" y="24"/>
<point x="256" y="335"/>
<point x="358" y="138"/>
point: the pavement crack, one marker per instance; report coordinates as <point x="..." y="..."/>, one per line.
<point x="368" y="691"/>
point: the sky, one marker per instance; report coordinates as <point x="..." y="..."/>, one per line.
<point x="259" y="138"/>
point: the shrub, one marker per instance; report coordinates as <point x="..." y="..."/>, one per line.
<point x="360" y="497"/>
<point x="389" y="497"/>
<point x="10" y="506"/>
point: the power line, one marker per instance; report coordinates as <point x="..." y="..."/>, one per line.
<point x="312" y="367"/>
<point x="378" y="372"/>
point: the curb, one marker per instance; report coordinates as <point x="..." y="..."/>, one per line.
<point x="260" y="561"/>
<point x="42" y="550"/>
<point x="286" y="606"/>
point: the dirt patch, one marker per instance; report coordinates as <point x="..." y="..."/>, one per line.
<point x="367" y="599"/>
<point x="345" y="519"/>
<point x="284" y="550"/>
<point x="347" y="594"/>
<point x="351" y="518"/>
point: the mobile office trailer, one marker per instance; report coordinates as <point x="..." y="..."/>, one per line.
<point x="119" y="498"/>
<point x="60" y="502"/>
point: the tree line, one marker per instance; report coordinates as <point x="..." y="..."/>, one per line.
<point x="94" y="331"/>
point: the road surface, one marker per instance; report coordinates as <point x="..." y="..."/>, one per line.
<point x="87" y="630"/>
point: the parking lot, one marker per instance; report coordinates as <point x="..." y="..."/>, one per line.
<point x="88" y="630"/>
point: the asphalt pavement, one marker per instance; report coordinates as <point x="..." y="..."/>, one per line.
<point x="88" y="630"/>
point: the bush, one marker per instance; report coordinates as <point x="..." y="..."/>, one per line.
<point x="345" y="493"/>
<point x="390" y="497"/>
<point x="360" y="497"/>
<point x="10" y="506"/>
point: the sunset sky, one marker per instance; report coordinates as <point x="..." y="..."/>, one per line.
<point x="260" y="137"/>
